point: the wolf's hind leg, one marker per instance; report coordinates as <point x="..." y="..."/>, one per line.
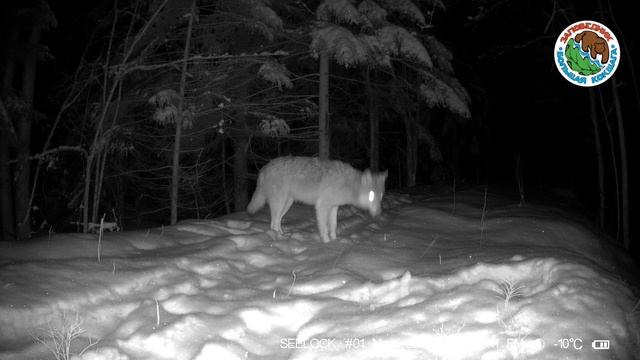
<point x="333" y="222"/>
<point x="285" y="208"/>
<point x="322" y="214"/>
<point x="279" y="206"/>
<point x="276" y="205"/>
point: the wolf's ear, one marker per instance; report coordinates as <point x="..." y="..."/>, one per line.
<point x="366" y="177"/>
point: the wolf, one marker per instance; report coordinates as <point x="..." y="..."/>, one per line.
<point x="325" y="184"/>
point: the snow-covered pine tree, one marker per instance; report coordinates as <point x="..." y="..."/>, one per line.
<point x="360" y="34"/>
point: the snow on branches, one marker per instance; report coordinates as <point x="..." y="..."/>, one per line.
<point x="398" y="41"/>
<point x="445" y="92"/>
<point x="166" y="103"/>
<point x="275" y="73"/>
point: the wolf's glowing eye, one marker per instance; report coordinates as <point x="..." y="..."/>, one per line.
<point x="372" y="196"/>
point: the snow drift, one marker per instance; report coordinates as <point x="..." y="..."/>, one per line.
<point x="422" y="282"/>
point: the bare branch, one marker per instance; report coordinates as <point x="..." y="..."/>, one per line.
<point x="124" y="69"/>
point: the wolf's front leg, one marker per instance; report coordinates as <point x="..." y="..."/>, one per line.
<point x="322" y="215"/>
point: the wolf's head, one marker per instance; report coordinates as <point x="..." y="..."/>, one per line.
<point x="371" y="191"/>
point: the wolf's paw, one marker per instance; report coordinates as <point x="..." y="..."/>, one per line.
<point x="329" y="238"/>
<point x="282" y="235"/>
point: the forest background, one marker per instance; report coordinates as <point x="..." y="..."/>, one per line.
<point x="141" y="113"/>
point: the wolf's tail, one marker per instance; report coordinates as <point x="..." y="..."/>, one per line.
<point x="258" y="199"/>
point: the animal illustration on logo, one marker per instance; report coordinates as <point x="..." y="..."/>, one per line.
<point x="594" y="44"/>
<point x="325" y="184"/>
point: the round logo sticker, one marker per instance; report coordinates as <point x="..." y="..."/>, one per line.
<point x="587" y="53"/>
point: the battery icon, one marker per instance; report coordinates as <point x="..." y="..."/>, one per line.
<point x="600" y="344"/>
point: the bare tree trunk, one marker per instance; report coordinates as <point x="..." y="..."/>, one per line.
<point x="624" y="170"/>
<point x="175" y="167"/>
<point x="240" y="186"/>
<point x="520" y="179"/>
<point x="120" y="197"/>
<point x="455" y="152"/>
<point x="599" y="158"/>
<point x="614" y="164"/>
<point x="6" y="189"/>
<point x="628" y="54"/>
<point x="374" y="123"/>
<point x="10" y="62"/>
<point x="97" y="193"/>
<point x="87" y="188"/>
<point x="241" y="142"/>
<point x="412" y="149"/>
<point x="175" y="173"/>
<point x="227" y="208"/>
<point x="23" y="150"/>
<point x="323" y="106"/>
<point x="7" y="135"/>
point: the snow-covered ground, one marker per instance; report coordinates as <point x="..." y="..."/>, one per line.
<point x="421" y="282"/>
